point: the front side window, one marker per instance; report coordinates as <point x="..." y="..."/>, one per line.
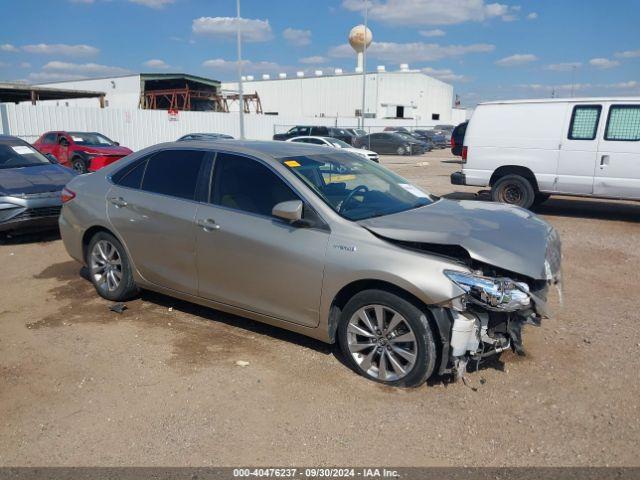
<point x="174" y="173"/>
<point x="584" y="122"/>
<point x="355" y="188"/>
<point x="49" y="138"/>
<point x="623" y="123"/>
<point x="245" y="184"/>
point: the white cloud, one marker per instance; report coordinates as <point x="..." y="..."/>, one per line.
<point x="24" y="65"/>
<point x="631" y="84"/>
<point x="433" y="12"/>
<point x="517" y="59"/>
<point x="157" y="64"/>
<point x="253" y="30"/>
<point x="432" y="33"/>
<point x="316" y="59"/>
<point x="153" y="3"/>
<point x="61" y="49"/>
<point x="299" y="38"/>
<point x="628" y="54"/>
<point x="444" y="74"/>
<point x="563" y="67"/>
<point x="412" y="52"/>
<point x="247" y="65"/>
<point x="532" y="16"/>
<point x="7" y="47"/>
<point x="83" y="69"/>
<point x="603" y="63"/>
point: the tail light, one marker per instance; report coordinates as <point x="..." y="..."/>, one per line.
<point x="464" y="154"/>
<point x="67" y="195"/>
<point x="453" y="142"/>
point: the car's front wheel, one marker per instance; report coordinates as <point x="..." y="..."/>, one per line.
<point x="79" y="165"/>
<point x="387" y="339"/>
<point x="109" y="268"/>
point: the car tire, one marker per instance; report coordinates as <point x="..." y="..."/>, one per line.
<point x="401" y="150"/>
<point x="513" y="190"/>
<point x="378" y="352"/>
<point x="109" y="268"/>
<point x="79" y="165"/>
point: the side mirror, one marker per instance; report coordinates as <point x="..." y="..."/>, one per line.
<point x="117" y="144"/>
<point x="64" y="142"/>
<point x="51" y="157"/>
<point x="291" y="211"/>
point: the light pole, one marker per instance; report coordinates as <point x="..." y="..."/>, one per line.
<point x="240" y="99"/>
<point x="364" y="63"/>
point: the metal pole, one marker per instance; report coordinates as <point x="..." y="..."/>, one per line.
<point x="364" y="62"/>
<point x="240" y="98"/>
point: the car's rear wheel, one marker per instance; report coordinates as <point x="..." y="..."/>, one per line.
<point x="109" y="268"/>
<point x="513" y="190"/>
<point x="79" y="165"/>
<point x="387" y="339"/>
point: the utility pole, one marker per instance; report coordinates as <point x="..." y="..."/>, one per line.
<point x="240" y="98"/>
<point x="364" y="62"/>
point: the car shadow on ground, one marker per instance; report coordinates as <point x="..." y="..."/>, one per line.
<point x="596" y="209"/>
<point x="19" y="238"/>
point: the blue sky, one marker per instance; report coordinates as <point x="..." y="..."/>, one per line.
<point x="486" y="49"/>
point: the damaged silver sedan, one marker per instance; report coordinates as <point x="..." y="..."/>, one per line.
<point x="326" y="244"/>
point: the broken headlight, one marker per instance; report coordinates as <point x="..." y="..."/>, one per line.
<point x="498" y="294"/>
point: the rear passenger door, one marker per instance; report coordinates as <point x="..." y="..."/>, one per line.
<point x="579" y="150"/>
<point x="153" y="209"/>
<point x="618" y="166"/>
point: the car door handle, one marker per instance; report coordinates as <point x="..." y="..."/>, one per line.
<point x="208" y="224"/>
<point x="119" y="202"/>
<point x="604" y="160"/>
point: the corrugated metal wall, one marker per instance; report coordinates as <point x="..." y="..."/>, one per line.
<point x="138" y="129"/>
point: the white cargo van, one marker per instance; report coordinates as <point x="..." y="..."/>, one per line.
<point x="526" y="150"/>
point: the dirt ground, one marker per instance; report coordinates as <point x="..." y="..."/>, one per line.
<point x="158" y="385"/>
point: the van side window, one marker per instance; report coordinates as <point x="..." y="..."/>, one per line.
<point x="623" y="123"/>
<point x="584" y="122"/>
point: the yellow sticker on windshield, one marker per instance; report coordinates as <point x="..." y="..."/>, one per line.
<point x="291" y="163"/>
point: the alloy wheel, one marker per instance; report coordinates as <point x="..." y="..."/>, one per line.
<point x="106" y="266"/>
<point x="79" y="166"/>
<point x="382" y="342"/>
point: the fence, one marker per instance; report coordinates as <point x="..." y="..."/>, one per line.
<point x="138" y="129"/>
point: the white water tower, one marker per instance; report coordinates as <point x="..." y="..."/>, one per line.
<point x="360" y="37"/>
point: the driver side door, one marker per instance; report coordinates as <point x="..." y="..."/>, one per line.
<point x="248" y="259"/>
<point x="61" y="150"/>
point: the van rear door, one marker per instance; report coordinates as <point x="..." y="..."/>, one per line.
<point x="579" y="150"/>
<point x="617" y="173"/>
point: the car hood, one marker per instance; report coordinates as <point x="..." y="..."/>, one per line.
<point x="506" y="237"/>
<point x="360" y="151"/>
<point x="113" y="150"/>
<point x="36" y="179"/>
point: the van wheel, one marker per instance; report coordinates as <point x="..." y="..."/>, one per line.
<point x="109" y="268"/>
<point x="387" y="339"/>
<point x="513" y="190"/>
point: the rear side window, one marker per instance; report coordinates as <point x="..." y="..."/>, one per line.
<point x="133" y="177"/>
<point x="174" y="173"/>
<point x="584" y="122"/>
<point x="623" y="123"/>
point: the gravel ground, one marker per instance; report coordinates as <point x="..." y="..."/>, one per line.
<point x="158" y="385"/>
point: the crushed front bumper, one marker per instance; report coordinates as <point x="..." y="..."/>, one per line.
<point x="30" y="211"/>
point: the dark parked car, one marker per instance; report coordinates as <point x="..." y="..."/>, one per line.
<point x="457" y="139"/>
<point x="426" y="144"/>
<point x="390" y="143"/>
<point x="30" y="186"/>
<point x="356" y="132"/>
<point x="205" y="136"/>
<point x="438" y="139"/>
<point x="82" y="151"/>
<point x="303" y="131"/>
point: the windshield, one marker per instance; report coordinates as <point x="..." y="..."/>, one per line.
<point x="406" y="136"/>
<point x="16" y="156"/>
<point x="356" y="189"/>
<point x="338" y="143"/>
<point x="95" y="139"/>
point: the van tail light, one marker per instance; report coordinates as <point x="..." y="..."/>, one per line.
<point x="67" y="195"/>
<point x="464" y="154"/>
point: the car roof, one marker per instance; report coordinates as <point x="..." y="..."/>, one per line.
<point x="269" y="148"/>
<point x="11" y="140"/>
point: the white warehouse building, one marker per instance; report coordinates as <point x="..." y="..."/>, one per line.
<point x="406" y="94"/>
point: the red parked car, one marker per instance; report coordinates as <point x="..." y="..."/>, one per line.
<point x="82" y="151"/>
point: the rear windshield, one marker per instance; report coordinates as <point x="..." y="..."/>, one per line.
<point x="94" y="139"/>
<point x="20" y="155"/>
